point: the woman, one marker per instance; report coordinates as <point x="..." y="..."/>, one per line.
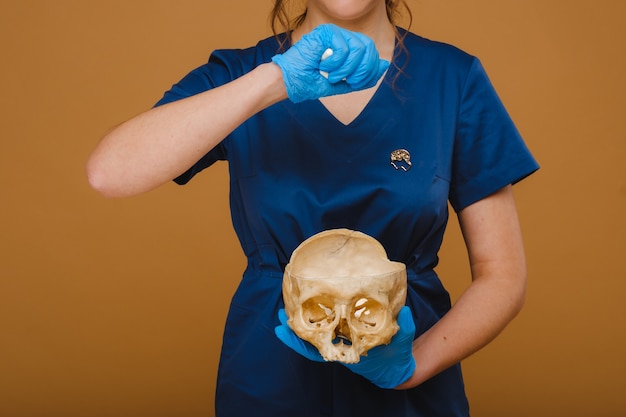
<point x="308" y="120"/>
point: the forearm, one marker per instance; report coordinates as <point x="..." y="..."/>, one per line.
<point x="163" y="142"/>
<point x="498" y="266"/>
<point x="479" y="315"/>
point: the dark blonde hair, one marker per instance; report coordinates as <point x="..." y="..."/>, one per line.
<point x="281" y="20"/>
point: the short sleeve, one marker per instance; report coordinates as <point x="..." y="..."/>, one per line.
<point x="489" y="152"/>
<point x="201" y="79"/>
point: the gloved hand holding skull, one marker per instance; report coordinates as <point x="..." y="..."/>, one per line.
<point x="343" y="299"/>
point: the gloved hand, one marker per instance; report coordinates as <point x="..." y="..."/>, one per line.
<point x="386" y="366"/>
<point x="354" y="64"/>
<point x="288" y="337"/>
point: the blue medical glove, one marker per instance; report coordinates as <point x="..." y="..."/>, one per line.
<point x="354" y="64"/>
<point x="289" y="338"/>
<point x="388" y="366"/>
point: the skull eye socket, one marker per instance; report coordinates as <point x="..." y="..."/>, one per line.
<point x="367" y="313"/>
<point x="318" y="312"/>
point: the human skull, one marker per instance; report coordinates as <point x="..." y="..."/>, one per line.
<point x="342" y="294"/>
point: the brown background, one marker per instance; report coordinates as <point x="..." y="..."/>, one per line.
<point x="116" y="307"/>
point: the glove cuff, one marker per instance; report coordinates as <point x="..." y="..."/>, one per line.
<point x="292" y="90"/>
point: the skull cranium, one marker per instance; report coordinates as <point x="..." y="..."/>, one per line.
<point x="342" y="294"/>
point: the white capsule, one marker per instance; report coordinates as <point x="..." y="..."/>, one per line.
<point x="328" y="52"/>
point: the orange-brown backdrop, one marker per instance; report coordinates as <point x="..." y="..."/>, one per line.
<point x="116" y="307"/>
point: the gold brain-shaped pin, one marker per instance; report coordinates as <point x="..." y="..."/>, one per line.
<point x="401" y="159"/>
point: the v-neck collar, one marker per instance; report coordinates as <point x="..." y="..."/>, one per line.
<point x="359" y="134"/>
<point x="314" y="113"/>
<point x="362" y="111"/>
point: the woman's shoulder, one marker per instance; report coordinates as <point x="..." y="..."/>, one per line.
<point x="223" y="65"/>
<point x="426" y="48"/>
<point x="245" y="59"/>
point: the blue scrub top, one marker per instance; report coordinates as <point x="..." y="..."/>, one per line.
<point x="295" y="170"/>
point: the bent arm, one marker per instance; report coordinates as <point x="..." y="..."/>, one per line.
<point x="492" y="234"/>
<point x="160" y="144"/>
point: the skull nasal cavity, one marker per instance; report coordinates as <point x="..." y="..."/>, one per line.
<point x="343" y="330"/>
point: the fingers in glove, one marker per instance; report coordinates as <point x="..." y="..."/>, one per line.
<point x="365" y="73"/>
<point x="406" y="323"/>
<point x="345" y="61"/>
<point x="289" y="338"/>
<point x="357" y="64"/>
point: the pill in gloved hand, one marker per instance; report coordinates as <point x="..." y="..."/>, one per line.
<point x="325" y="55"/>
